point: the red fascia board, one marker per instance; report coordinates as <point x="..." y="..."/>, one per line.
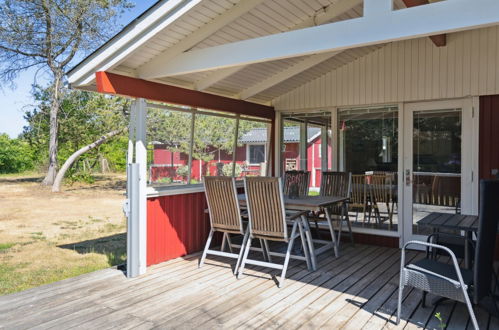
<point x="111" y="83"/>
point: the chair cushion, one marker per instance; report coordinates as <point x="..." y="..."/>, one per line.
<point x="434" y="267"/>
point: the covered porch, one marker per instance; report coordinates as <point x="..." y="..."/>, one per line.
<point x="365" y="87"/>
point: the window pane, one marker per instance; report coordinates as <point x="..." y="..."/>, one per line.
<point x="290" y="146"/>
<point x="212" y="152"/>
<point x="256" y="154"/>
<point x="252" y="148"/>
<point x="436" y="163"/>
<point x="168" y="136"/>
<point x="311" y="152"/>
<point x="368" y="140"/>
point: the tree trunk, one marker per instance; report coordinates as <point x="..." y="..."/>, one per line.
<point x="53" y="147"/>
<point x="56" y="187"/>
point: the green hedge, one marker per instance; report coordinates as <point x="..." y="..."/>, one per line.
<point x="15" y="155"/>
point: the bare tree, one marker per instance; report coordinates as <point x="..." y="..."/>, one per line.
<point x="50" y="35"/>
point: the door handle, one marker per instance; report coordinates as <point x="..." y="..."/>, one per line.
<point x="408" y="179"/>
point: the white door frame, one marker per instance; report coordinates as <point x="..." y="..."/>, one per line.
<point x="469" y="158"/>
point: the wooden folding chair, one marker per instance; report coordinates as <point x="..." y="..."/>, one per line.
<point x="380" y="189"/>
<point x="358" y="196"/>
<point x="225" y="215"/>
<point x="299" y="178"/>
<point x="336" y="184"/>
<point x="268" y="221"/>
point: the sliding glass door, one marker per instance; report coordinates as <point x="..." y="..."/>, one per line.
<point x="368" y="148"/>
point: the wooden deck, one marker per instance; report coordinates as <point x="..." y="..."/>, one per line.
<point x="357" y="290"/>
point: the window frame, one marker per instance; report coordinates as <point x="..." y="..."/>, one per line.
<point x="248" y="153"/>
<point x="198" y="111"/>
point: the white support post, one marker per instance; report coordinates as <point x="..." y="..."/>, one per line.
<point x="324" y="155"/>
<point x="303" y="146"/>
<point x="279" y="146"/>
<point x="377" y="7"/>
<point x="234" y="147"/>
<point x="131" y="201"/>
<point x="191" y="146"/>
<point x="141" y="186"/>
<point x="335" y="143"/>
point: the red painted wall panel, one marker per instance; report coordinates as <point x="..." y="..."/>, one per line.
<point x="489" y="136"/>
<point x="176" y="226"/>
<point x="489" y="141"/>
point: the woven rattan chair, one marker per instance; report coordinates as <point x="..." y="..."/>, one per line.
<point x="300" y="179"/>
<point x="449" y="280"/>
<point x="380" y="192"/>
<point x="268" y="221"/>
<point x="225" y="215"/>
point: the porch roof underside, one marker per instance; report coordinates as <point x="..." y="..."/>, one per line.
<point x="200" y="24"/>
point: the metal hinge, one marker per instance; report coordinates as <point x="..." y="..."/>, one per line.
<point x="126" y="207"/>
<point x="472" y="112"/>
<point x="472" y="176"/>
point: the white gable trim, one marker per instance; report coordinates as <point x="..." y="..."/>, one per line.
<point x="149" y="69"/>
<point x="134" y="36"/>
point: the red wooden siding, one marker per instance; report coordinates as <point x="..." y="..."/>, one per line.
<point x="489" y="141"/>
<point x="176" y="226"/>
<point x="489" y="136"/>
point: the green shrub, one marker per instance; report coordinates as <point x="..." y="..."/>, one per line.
<point x="227" y="170"/>
<point x="15" y="155"/>
<point x="79" y="176"/>
<point x="183" y="171"/>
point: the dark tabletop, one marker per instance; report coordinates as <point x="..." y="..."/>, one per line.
<point x="309" y="203"/>
<point x="450" y="221"/>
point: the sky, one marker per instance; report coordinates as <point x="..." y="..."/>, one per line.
<point x="15" y="101"/>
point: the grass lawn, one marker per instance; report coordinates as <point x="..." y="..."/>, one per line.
<point x="47" y="237"/>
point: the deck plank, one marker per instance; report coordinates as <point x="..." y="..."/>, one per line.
<point x="250" y="286"/>
<point x="243" y="304"/>
<point x="329" y="305"/>
<point x="249" y="310"/>
<point x="367" y="306"/>
<point x="357" y="290"/>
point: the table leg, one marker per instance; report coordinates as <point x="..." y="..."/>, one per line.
<point x="308" y="236"/>
<point x="467" y="250"/>
<point x="305" y="247"/>
<point x="331" y="230"/>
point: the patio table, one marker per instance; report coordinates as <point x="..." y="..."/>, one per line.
<point x="449" y="221"/>
<point x="312" y="204"/>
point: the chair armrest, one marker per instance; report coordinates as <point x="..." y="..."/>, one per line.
<point x="291" y="214"/>
<point x="430" y="237"/>
<point x="436" y="246"/>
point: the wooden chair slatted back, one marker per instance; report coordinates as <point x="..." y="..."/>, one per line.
<point x="223" y="206"/>
<point x="302" y="178"/>
<point x="381" y="188"/>
<point x="264" y="200"/>
<point x="358" y="194"/>
<point x="335" y="184"/>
